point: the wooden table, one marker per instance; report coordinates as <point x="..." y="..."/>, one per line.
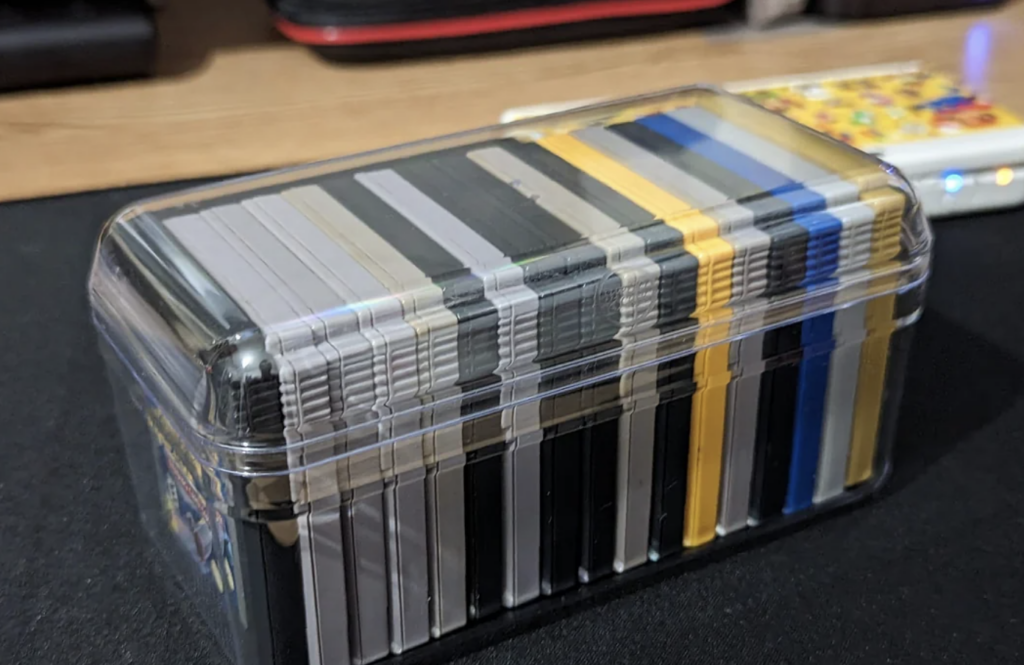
<point x="233" y="97"/>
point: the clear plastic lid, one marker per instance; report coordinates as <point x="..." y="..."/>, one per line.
<point x="486" y="285"/>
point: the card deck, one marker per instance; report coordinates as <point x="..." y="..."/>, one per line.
<point x="511" y="299"/>
<point x="436" y="329"/>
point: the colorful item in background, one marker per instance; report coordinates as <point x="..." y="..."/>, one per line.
<point x="886" y="109"/>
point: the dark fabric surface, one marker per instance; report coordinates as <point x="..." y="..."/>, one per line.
<point x="931" y="572"/>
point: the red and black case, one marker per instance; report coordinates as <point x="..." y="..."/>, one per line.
<point x="395" y="28"/>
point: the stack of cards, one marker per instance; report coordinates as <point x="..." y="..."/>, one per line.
<point x="396" y="396"/>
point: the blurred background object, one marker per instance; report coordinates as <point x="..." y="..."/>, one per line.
<point x="49" y="42"/>
<point x="348" y="29"/>
<point x="60" y="42"/>
<point x="857" y="9"/>
<point x="229" y="94"/>
<point x="762" y="13"/>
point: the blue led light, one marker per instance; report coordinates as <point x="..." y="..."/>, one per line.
<point x="954" y="182"/>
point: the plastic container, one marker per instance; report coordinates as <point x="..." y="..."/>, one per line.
<point x="404" y="401"/>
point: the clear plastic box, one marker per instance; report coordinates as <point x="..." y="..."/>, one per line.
<point x="445" y="388"/>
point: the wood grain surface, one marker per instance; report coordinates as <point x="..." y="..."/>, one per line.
<point x="233" y="97"/>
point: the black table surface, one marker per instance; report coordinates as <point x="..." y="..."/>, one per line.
<point x="930" y="572"/>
